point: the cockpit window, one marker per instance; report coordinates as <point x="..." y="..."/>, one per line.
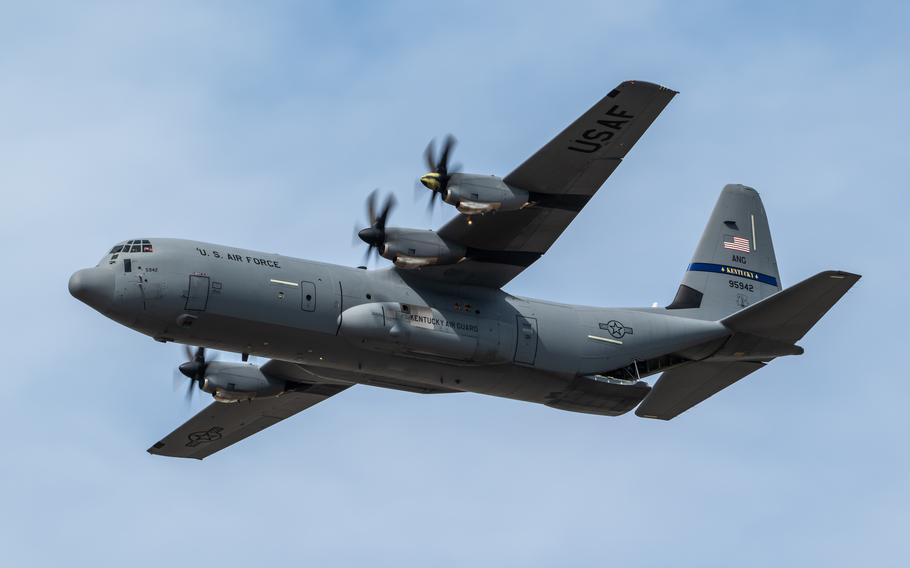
<point x="134" y="245"/>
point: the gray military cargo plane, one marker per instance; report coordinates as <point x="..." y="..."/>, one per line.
<point x="438" y="321"/>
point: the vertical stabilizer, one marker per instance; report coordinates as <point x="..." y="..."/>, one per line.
<point x="734" y="265"/>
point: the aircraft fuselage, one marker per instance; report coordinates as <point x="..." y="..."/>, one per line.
<point x="383" y="327"/>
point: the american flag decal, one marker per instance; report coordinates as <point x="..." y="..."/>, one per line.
<point x="736" y="243"/>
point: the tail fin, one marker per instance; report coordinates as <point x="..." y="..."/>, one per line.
<point x="734" y="265"/>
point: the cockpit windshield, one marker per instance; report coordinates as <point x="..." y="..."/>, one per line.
<point x="135" y="245"/>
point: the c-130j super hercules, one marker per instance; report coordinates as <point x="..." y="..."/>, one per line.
<point x="439" y="321"/>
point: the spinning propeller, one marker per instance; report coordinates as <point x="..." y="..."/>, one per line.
<point x="194" y="369"/>
<point x="440" y="171"/>
<point x="374" y="235"/>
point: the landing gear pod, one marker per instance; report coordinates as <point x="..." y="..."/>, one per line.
<point x="392" y="327"/>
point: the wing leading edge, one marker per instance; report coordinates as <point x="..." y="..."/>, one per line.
<point x="563" y="176"/>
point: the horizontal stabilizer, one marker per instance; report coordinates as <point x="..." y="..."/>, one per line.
<point x="788" y="315"/>
<point x="681" y="388"/>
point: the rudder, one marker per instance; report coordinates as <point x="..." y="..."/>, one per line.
<point x="734" y="265"/>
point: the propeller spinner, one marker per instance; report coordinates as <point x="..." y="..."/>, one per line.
<point x="374" y="235"/>
<point x="194" y="369"/>
<point x="437" y="179"/>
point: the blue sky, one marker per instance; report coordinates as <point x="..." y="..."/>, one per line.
<point x="266" y="124"/>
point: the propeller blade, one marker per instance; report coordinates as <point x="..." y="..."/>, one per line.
<point x="374" y="236"/>
<point x="355" y="237"/>
<point x="447" y="146"/>
<point x="431" y="205"/>
<point x="440" y="171"/>
<point x="428" y="155"/>
<point x="387" y="208"/>
<point x="177" y="380"/>
<point x="188" y="395"/>
<point x="371" y="207"/>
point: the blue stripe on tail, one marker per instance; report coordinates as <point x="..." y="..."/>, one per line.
<point x="733" y="271"/>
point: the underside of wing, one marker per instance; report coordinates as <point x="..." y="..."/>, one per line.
<point x="220" y="425"/>
<point x="560" y="178"/>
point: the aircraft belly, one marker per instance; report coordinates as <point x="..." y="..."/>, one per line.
<point x="330" y="352"/>
<point x="507" y="380"/>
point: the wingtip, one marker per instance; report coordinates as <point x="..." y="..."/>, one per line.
<point x="653" y="416"/>
<point x="658" y="86"/>
<point x="151" y="451"/>
<point x="843" y="274"/>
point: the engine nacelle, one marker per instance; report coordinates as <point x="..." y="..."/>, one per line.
<point x="413" y="248"/>
<point x="392" y="327"/>
<point x="231" y="382"/>
<point x="474" y="194"/>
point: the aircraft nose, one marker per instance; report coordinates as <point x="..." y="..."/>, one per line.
<point x="94" y="286"/>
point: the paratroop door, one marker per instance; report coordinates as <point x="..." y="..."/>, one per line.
<point x="526" y="343"/>
<point x="198" y="294"/>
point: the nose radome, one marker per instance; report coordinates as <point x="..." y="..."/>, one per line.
<point x="94" y="286"/>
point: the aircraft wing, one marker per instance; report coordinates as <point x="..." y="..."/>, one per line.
<point x="561" y="177"/>
<point x="220" y="425"/>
